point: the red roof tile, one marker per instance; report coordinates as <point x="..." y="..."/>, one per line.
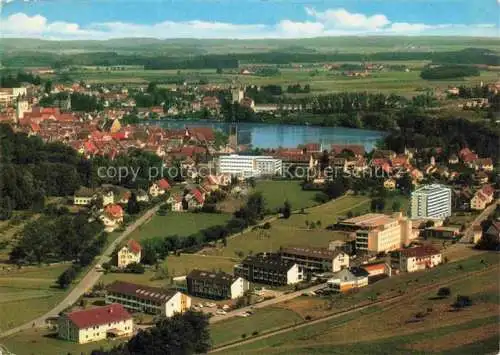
<point x="134" y="246"/>
<point x="163" y="184"/>
<point x="98" y="316"/>
<point x="425" y="250"/>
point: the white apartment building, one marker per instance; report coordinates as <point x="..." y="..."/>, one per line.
<point x="247" y="166"/>
<point x="431" y="201"/>
<point x="152" y="300"/>
<point x="9" y="95"/>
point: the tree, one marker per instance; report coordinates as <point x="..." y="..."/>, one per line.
<point x="135" y="268"/>
<point x="286" y="211"/>
<point x="396" y="206"/>
<point x="377" y="204"/>
<point x="67" y="277"/>
<point x="132" y="204"/>
<point x="184" y="334"/>
<point x="48" y="86"/>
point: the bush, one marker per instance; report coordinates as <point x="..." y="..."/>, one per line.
<point x="135" y="268"/>
<point x="67" y="277"/>
<point x="243" y="336"/>
<point x="448" y="72"/>
<point x="308" y="317"/>
<point x="255" y="333"/>
<point x="462" y="302"/>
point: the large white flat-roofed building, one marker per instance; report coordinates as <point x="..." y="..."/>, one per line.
<point x="152" y="300"/>
<point x="376" y="232"/>
<point x="249" y="165"/>
<point x="431" y="201"/>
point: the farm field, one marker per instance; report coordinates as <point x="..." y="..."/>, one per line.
<point x="321" y="81"/>
<point x="28" y="293"/>
<point x="276" y="192"/>
<point x="182" y="224"/>
<point x="398" y="328"/>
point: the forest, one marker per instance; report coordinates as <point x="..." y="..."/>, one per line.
<point x="226" y="61"/>
<point x="448" y="72"/>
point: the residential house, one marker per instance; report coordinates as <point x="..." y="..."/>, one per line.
<point x="316" y="259"/>
<point x="112" y="217"/>
<point x="216" y="285"/>
<point x="453" y="159"/>
<point x="175" y="202"/>
<point x="376" y="269"/>
<point x="480" y="178"/>
<point x="419" y="258"/>
<point x="348" y="279"/>
<point x="152" y="300"/>
<point x="195" y="199"/>
<point x="485" y="164"/>
<point x="269" y="268"/>
<point x="95" y="324"/>
<point x="494" y="231"/>
<point x="159" y="187"/>
<point x="129" y="254"/>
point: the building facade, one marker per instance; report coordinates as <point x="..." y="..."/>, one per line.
<point x="95" y="324"/>
<point x="269" y="269"/>
<point x="419" y="258"/>
<point x="246" y="166"/>
<point x="152" y="300"/>
<point x="216" y="285"/>
<point x="377" y="232"/>
<point x="316" y="259"/>
<point x="348" y="279"/>
<point x="129" y="254"/>
<point x="431" y="201"/>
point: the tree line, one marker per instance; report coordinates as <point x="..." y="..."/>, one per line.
<point x="448" y="72"/>
<point x="232" y="61"/>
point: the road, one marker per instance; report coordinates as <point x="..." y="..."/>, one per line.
<point x="395" y="299"/>
<point x="87" y="282"/>
<point x="477" y="221"/>
<point x="279" y="299"/>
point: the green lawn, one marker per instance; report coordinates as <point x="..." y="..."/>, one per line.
<point x="28" y="293"/>
<point x="293" y="231"/>
<point x="277" y="192"/>
<point x="262" y="320"/>
<point x="182" y="224"/>
<point x="39" y="342"/>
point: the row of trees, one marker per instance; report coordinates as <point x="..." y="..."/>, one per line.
<point x="448" y="72"/>
<point x="79" y="102"/>
<point x="10" y="80"/>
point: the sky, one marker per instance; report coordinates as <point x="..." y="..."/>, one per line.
<point x="246" y="19"/>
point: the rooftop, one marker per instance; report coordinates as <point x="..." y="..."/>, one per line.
<point x="269" y="261"/>
<point x="97" y="316"/>
<point x="425" y="250"/>
<point x="142" y="292"/>
<point x="430" y="189"/>
<point x="217" y="277"/>
<point x="321" y="253"/>
<point x="369" y="220"/>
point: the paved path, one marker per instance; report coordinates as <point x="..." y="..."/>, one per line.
<point x="279" y="299"/>
<point x="395" y="299"/>
<point x="477" y="222"/>
<point x="87" y="282"/>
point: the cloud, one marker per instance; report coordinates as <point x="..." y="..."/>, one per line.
<point x="331" y="22"/>
<point x="343" y="19"/>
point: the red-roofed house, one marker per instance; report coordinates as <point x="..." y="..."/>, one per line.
<point x="482" y="198"/>
<point x="175" y="202"/>
<point x="112" y="217"/>
<point x="95" y="324"/>
<point x="357" y="149"/>
<point x="195" y="199"/>
<point x="129" y="254"/>
<point x="419" y="258"/>
<point x="159" y="187"/>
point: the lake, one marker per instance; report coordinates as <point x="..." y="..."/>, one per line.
<point x="264" y="135"/>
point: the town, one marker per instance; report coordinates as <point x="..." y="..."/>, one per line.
<point x="234" y="210"/>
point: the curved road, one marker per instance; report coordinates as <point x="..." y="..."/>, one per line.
<point x="87" y="282"/>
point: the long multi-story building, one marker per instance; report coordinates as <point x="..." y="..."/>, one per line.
<point x="216" y="285"/>
<point x="431" y="201"/>
<point x="152" y="300"/>
<point x="249" y="166"/>
<point x="269" y="268"/>
<point x="316" y="259"/>
<point x="377" y="232"/>
<point x="95" y="324"/>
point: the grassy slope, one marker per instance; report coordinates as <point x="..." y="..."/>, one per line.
<point x="276" y="192"/>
